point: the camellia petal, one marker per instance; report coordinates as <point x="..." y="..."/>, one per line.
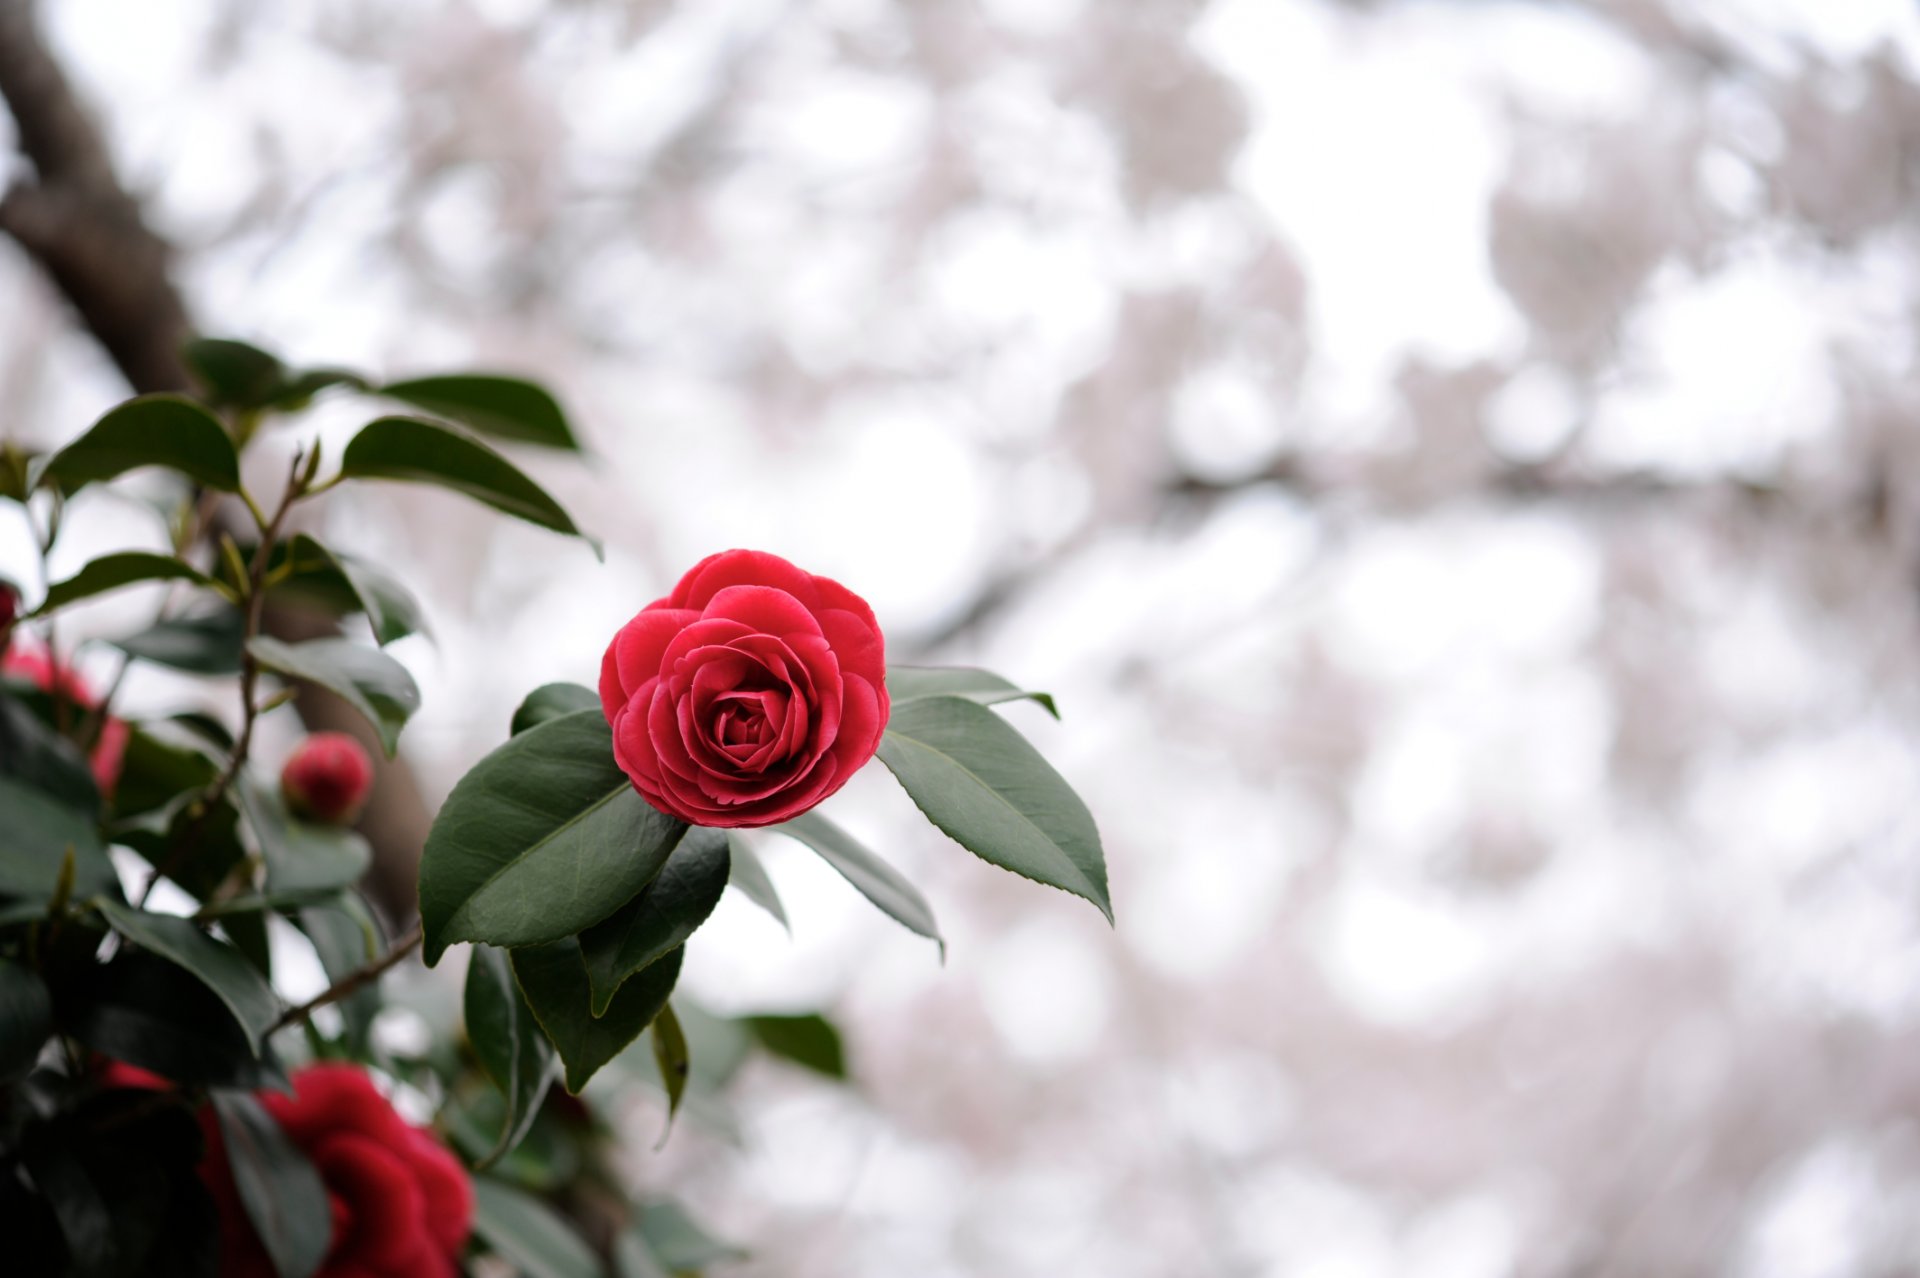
<point x="753" y="708"/>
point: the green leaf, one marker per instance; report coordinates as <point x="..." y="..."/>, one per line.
<point x="234" y="374"/>
<point x="916" y="683"/>
<point x="543" y="837"/>
<point x="41" y="759"/>
<point x="504" y="407"/>
<point x="283" y="1195"/>
<point x="219" y="966"/>
<point x="678" y="1241"/>
<point x="301" y="857"/>
<point x="35" y="833"/>
<point x="554" y="979"/>
<point x="209" y="847"/>
<point x="529" y="1234"/>
<point x="670" y="1054"/>
<point x="297" y="391"/>
<point x="365" y="678"/>
<point x="552" y="701"/>
<point x="979" y="781"/>
<point x="153" y="430"/>
<point x="111" y="572"/>
<point x="157" y="779"/>
<point x="149" y="1012"/>
<point x="810" y="1040"/>
<point x="660" y="918"/>
<point x="511" y="1047"/>
<point x="204" y="644"/>
<point x="413" y="450"/>
<point x="345" y="583"/>
<point x="749" y="875"/>
<point x="26" y="1019"/>
<point x="877" y="881"/>
<point x="346" y="938"/>
<point x="16" y="471"/>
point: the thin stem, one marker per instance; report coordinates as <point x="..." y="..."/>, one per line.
<point x="256" y="599"/>
<point x="353" y="982"/>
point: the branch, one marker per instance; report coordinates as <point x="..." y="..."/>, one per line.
<point x="352" y="983"/>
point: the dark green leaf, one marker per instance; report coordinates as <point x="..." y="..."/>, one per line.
<point x="111" y="572"/>
<point x="205" y="644"/>
<point x="555" y="982"/>
<point x="229" y="908"/>
<point x="811" y="1041"/>
<point x="26" y="1019"/>
<point x="344" y="583"/>
<point x="302" y="857"/>
<point x="543" y="837"/>
<point x="282" y="1193"/>
<point x="511" y="1047"/>
<point x="877" y="881"/>
<point x="365" y="678"/>
<point x="633" y="1259"/>
<point x="678" y="1241"/>
<point x="346" y="938"/>
<point x="234" y="374"/>
<point x="750" y="876"/>
<point x="153" y="430"/>
<point x="85" y="1216"/>
<point x="660" y="918"/>
<point x="223" y="969"/>
<point x="198" y="852"/>
<point x="423" y="452"/>
<point x="670" y="1054"/>
<point x="504" y="407"/>
<point x="979" y="781"/>
<point x="34" y="754"/>
<point x="149" y="1012"/>
<point x="917" y="683"/>
<point x="35" y="833"/>
<point x="16" y="471"/>
<point x="552" y="701"/>
<point x="157" y="778"/>
<point x="297" y="390"/>
<point x="529" y="1234"/>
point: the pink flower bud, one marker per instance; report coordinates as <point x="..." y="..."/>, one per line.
<point x="327" y="779"/>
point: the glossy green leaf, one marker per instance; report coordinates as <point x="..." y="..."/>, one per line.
<point x="147" y="1011"/>
<point x="234" y="374"/>
<point x="543" y="837"/>
<point x="509" y="1042"/>
<point x="503" y="407"/>
<point x="281" y="1191"/>
<point x="991" y="792"/>
<point x="203" y="644"/>
<point x="552" y="701"/>
<point x="528" y="1234"/>
<point x="219" y="966"/>
<point x="153" y="430"/>
<point x="301" y="856"/>
<point x="158" y="777"/>
<point x="36" y="756"/>
<point x="365" y="678"/>
<point x="554" y="980"/>
<point x="197" y="852"/>
<point x="660" y="918"/>
<point x="35" y="833"/>
<point x="917" y="683"/>
<point x="346" y="937"/>
<point x="345" y="583"/>
<point x="26" y="1019"/>
<point x="111" y="572"/>
<point x="413" y="450"/>
<point x="749" y="875"/>
<point x="809" y="1040"/>
<point x="877" y="881"/>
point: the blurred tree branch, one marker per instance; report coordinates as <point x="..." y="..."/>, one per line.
<point x="84" y="228"/>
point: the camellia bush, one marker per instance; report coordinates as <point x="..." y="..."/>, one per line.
<point x="165" y="1110"/>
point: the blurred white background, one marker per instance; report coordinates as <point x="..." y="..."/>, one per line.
<point x="1454" y="461"/>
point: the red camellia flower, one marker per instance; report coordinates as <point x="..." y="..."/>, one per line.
<point x="327" y="778"/>
<point x="749" y="694"/>
<point x="40" y="669"/>
<point x="402" y="1205"/>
